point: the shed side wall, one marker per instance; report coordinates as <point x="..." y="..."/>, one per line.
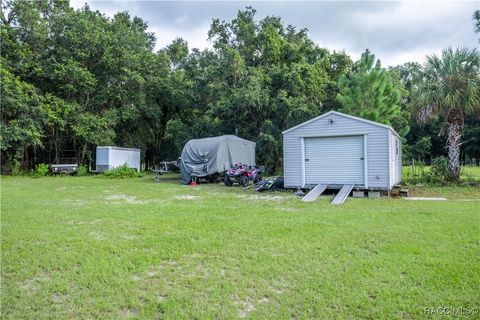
<point x="396" y="163"/>
<point x="377" y="148"/>
<point x="400" y="163"/>
<point x="392" y="165"/>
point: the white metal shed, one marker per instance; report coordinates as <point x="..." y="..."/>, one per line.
<point x="108" y="158"/>
<point x="336" y="149"/>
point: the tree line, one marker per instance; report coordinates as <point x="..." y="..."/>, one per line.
<point x="75" y="79"/>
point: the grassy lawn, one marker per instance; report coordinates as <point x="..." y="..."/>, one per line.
<point x="86" y="247"/>
<point x="468" y="173"/>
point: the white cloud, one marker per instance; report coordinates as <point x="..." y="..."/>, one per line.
<point x="196" y="38"/>
<point x="395" y="31"/>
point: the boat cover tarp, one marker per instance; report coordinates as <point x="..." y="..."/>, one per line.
<point x="204" y="157"/>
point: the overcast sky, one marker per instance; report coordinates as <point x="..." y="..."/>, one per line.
<point x="396" y="32"/>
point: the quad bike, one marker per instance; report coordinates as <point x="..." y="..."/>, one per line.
<point x="242" y="174"/>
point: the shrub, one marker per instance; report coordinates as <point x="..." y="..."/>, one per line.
<point x="82" y="170"/>
<point x="13" y="168"/>
<point x="41" y="170"/>
<point x="122" y="172"/>
<point x="416" y="174"/>
<point x="439" y="171"/>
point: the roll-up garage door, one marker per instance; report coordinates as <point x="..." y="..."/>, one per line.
<point x="334" y="160"/>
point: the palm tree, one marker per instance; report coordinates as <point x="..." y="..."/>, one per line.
<point x="450" y="88"/>
<point x="476" y="19"/>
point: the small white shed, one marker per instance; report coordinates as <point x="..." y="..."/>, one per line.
<point x="111" y="157"/>
<point x="336" y="149"/>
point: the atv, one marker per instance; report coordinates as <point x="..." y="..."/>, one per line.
<point x="242" y="174"/>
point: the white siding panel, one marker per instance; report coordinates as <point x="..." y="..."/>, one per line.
<point x="391" y="157"/>
<point x="397" y="166"/>
<point x="399" y="162"/>
<point x="292" y="155"/>
<point x="395" y="150"/>
<point x="377" y="148"/>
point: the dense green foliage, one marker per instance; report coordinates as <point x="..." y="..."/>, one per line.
<point x="82" y="170"/>
<point x="122" y="172"/>
<point x="41" y="170"/>
<point x="75" y="79"/>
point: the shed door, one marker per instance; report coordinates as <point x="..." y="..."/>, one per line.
<point x="334" y="160"/>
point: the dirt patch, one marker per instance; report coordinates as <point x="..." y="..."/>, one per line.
<point x="32" y="285"/>
<point x="71" y="188"/>
<point x="128" y="313"/>
<point x="289" y="209"/>
<point x="129" y="237"/>
<point x="94" y="221"/>
<point x="123" y="198"/>
<point x="74" y="202"/>
<point x="161" y="297"/>
<point x="425" y="199"/>
<point x="98" y="236"/>
<point x="264" y="299"/>
<point x="137" y="278"/>
<point x="279" y="287"/>
<point x="246" y="308"/>
<point x="153" y="271"/>
<point x="187" y="197"/>
<point x="58" y="298"/>
<point x="256" y="197"/>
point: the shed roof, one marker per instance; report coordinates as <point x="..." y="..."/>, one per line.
<point x="117" y="148"/>
<point x="344" y="115"/>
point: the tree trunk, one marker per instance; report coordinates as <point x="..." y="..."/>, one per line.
<point x="455" y="130"/>
<point x="82" y="153"/>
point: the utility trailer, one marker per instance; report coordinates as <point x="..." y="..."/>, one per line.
<point x="109" y="157"/>
<point x="68" y="164"/>
<point x="65" y="165"/>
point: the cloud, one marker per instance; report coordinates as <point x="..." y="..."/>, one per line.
<point x="396" y="32"/>
<point x="196" y="38"/>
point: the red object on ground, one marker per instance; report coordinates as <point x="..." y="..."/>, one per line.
<point x="193" y="184"/>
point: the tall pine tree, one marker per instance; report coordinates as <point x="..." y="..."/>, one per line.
<point x="369" y="92"/>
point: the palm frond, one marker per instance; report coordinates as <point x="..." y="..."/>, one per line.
<point x="476" y="18"/>
<point x="450" y="82"/>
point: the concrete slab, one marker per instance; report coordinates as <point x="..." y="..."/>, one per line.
<point x="426" y="199"/>
<point x="374" y="194"/>
<point x="358" y="194"/>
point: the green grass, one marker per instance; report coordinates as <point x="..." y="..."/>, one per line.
<point x="84" y="247"/>
<point x="468" y="173"/>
